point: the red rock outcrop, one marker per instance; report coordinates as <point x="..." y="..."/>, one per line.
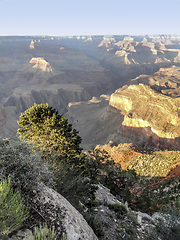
<point x="150" y="140"/>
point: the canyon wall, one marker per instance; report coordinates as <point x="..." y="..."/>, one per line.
<point x="61" y="70"/>
<point x="149" y="113"/>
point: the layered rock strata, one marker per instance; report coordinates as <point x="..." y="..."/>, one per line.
<point x="166" y="81"/>
<point x="150" y="113"/>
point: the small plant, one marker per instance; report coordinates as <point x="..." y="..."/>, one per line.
<point x="95" y="224"/>
<point x="44" y="233"/>
<point x="64" y="237"/>
<point x="93" y="203"/>
<point x="130" y="232"/>
<point x="12" y="209"/>
<point x="133" y="217"/>
<point x="96" y="164"/>
<point x="119" y="208"/>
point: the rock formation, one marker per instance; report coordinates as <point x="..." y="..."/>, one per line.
<point x="153" y="114"/>
<point x="42" y="64"/>
<point x="61" y="212"/>
<point x="133" y="51"/>
<point x="107" y="42"/>
<point x="31" y="46"/>
<point x="69" y="222"/>
<point x="70" y="69"/>
<point x="166" y="81"/>
<point x="96" y="123"/>
<point x="54" y="208"/>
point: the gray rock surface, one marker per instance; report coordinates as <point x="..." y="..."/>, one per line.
<point x="74" y="224"/>
<point x="103" y="195"/>
<point x="143" y="216"/>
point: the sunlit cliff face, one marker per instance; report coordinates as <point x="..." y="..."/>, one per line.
<point x="130" y="51"/>
<point x="144" y="107"/>
<point x="41" y="64"/>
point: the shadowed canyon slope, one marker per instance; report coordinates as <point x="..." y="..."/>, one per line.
<point x="61" y="70"/>
<point x="137" y="114"/>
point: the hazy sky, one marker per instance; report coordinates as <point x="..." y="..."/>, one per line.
<point x="89" y="17"/>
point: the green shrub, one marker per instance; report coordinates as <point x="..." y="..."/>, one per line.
<point x="157" y="196"/>
<point x="95" y="224"/>
<point x="49" y="131"/>
<point x="74" y="185"/>
<point x="168" y="227"/>
<point x="151" y="164"/>
<point x="119" y="208"/>
<point x="130" y="232"/>
<point x="43" y="233"/>
<point x="96" y="163"/>
<point x="12" y="209"/>
<point x="24" y="166"/>
<point x="100" y="167"/>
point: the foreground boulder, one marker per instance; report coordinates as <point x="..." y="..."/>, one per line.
<point x="62" y="213"/>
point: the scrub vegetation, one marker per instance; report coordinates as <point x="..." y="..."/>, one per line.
<point x="50" y="152"/>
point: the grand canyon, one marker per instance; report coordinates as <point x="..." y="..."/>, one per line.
<point x="122" y="94"/>
<point x="80" y="75"/>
